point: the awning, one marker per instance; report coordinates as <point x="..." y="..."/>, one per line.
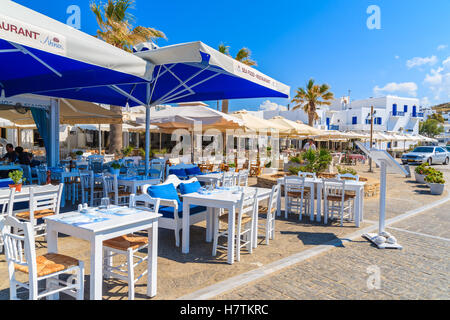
<point x="71" y="111"/>
<point x="38" y="54"/>
<point x="184" y="73"/>
<point x="298" y="129"/>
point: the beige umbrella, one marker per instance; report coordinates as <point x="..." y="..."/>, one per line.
<point x="297" y="127"/>
<point x="253" y="123"/>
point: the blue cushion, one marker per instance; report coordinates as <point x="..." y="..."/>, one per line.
<point x="164" y="191"/>
<point x="186" y="188"/>
<point x="180" y="173"/>
<point x="167" y="212"/>
<point x="193" y="171"/>
<point x="5" y="182"/>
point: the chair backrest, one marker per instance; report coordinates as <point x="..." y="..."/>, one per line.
<point x="334" y="187"/>
<point x="247" y="206"/>
<point x="273" y="199"/>
<point x="19" y="249"/>
<point x="228" y="179"/>
<point x="348" y="176"/>
<point x="294" y="184"/>
<point x="45" y="197"/>
<point x="110" y="185"/>
<point x="242" y="178"/>
<point x="7" y="201"/>
<point x="144" y="201"/>
<point x="42" y="176"/>
<point x="307" y="174"/>
<point x="86" y="179"/>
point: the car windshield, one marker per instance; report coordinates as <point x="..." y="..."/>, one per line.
<point x="448" y="148"/>
<point x="424" y="149"/>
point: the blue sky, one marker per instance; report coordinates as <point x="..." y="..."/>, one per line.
<point x="294" y="40"/>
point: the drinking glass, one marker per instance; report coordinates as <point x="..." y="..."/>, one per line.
<point x="104" y="203"/>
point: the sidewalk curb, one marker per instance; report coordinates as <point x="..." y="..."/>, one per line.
<point x="252" y="275"/>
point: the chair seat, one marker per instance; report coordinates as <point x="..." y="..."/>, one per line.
<point x="339" y="198"/>
<point x="126" y="242"/>
<point x="37" y="214"/>
<point x="265" y="209"/>
<point x="245" y="218"/>
<point x="298" y="194"/>
<point x="50" y="263"/>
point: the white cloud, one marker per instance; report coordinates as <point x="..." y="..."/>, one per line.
<point x="442" y="47"/>
<point x="438" y="81"/>
<point x="409" y="88"/>
<point x="397" y="57"/>
<point x="425" y="102"/>
<point x="269" y="105"/>
<point x="418" y="61"/>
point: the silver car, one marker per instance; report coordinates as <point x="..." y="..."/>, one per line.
<point x="430" y="154"/>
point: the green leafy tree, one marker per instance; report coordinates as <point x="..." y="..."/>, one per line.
<point x="438" y="117"/>
<point x="430" y="128"/>
<point x="244" y="56"/>
<point x="311" y="97"/>
<point x="116" y="27"/>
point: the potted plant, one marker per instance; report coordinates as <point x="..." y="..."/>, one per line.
<point x="436" y="182"/>
<point x="17" y="177"/>
<point x="79" y="154"/>
<point x="127" y="151"/>
<point x="421" y="172"/>
<point x="115" y="168"/>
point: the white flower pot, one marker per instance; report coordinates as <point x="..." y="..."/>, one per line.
<point x="436" y="188"/>
<point x="420" y="178"/>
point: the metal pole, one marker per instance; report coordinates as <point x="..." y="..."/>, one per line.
<point x="147" y="139"/>
<point x="382" y="196"/>
<point x="371" y="137"/>
<point x="99" y="139"/>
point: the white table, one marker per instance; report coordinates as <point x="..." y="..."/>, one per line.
<point x="350" y="185"/>
<point x="98" y="232"/>
<point x="218" y="200"/>
<point x="133" y="184"/>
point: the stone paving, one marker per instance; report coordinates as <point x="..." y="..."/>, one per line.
<point x="419" y="271"/>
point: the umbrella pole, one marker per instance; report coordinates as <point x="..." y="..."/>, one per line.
<point x="147" y="139"/>
<point x="99" y="139"/>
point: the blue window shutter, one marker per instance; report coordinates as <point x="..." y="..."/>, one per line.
<point x="405" y="108"/>
<point x="394" y="109"/>
<point x="355" y="120"/>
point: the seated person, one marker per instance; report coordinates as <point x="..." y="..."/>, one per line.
<point x="10" y="155"/>
<point x="22" y="156"/>
<point x="33" y="162"/>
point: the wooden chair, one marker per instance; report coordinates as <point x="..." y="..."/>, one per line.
<point x="111" y="190"/>
<point x="128" y="245"/>
<point x="228" y="179"/>
<point x="7" y="203"/>
<point x="21" y="257"/>
<point x="296" y="196"/>
<point x="245" y="212"/>
<point x="336" y="200"/>
<point x="242" y="178"/>
<point x="269" y="224"/>
<point x="44" y="201"/>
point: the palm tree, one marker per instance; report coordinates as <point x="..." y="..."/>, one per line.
<point x="243" y="56"/>
<point x="311" y="97"/>
<point x="115" y="23"/>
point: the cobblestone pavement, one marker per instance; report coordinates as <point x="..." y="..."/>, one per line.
<point x="419" y="271"/>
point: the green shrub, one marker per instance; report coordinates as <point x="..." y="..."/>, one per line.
<point x="116" y="165"/>
<point x="342" y="170"/>
<point x="424" y="169"/>
<point x="17" y="176"/>
<point x="127" y="151"/>
<point x="435" y="177"/>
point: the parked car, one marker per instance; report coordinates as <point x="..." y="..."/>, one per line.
<point x="448" y="149"/>
<point x="429" y="154"/>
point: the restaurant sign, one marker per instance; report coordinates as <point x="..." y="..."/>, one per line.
<point x="26" y="34"/>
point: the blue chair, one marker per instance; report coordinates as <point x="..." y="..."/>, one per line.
<point x="169" y="204"/>
<point x="30" y="179"/>
<point x="180" y="173"/>
<point x="194" y="171"/>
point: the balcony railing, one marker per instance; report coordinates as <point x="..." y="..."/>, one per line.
<point x="418" y="115"/>
<point x="397" y="114"/>
<point x="334" y="127"/>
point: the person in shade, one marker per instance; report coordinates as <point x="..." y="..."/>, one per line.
<point x="22" y="156"/>
<point x="310" y="145"/>
<point x="11" y="154"/>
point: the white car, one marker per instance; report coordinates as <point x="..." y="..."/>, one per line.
<point x="427" y="154"/>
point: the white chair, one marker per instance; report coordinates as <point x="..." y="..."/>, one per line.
<point x="128" y="245"/>
<point x="270" y="211"/>
<point x="296" y="196"/>
<point x="348" y="176"/>
<point x="111" y="190"/>
<point x="228" y="179"/>
<point x="44" y="201"/>
<point x="336" y="200"/>
<point x="20" y="255"/>
<point x="7" y="203"/>
<point x="170" y="209"/>
<point x="242" y="178"/>
<point x="245" y="212"/>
